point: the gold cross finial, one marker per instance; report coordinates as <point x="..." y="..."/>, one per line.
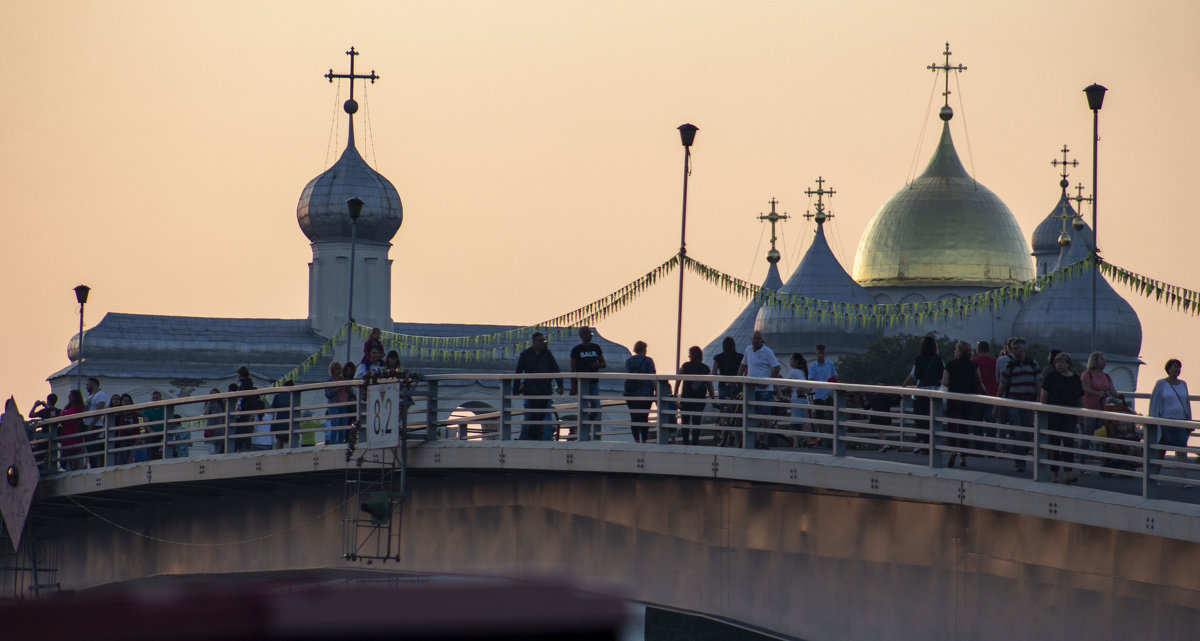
<point x="820" y="192"/>
<point x="1065" y="163"/>
<point x="773" y="218"/>
<point x="1079" y="199"/>
<point x="946" y="68"/>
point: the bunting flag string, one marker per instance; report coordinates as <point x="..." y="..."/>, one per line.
<point x="879" y="316"/>
<point x="1182" y="299"/>
<point x="508" y="344"/>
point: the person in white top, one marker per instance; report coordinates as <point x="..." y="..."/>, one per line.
<point x="798" y="372"/>
<point x="760" y="362"/>
<point x="1170" y="400"/>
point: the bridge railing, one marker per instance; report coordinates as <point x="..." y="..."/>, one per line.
<point x="838" y="419"/>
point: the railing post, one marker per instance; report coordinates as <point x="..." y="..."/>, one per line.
<point x="579" y="431"/>
<point x="747" y="392"/>
<point x="1041" y="423"/>
<point x="837" y="430"/>
<point x="293" y="438"/>
<point x="663" y="436"/>
<point x="228" y="428"/>
<point x="168" y="411"/>
<point x="506" y="410"/>
<point x="935" y="441"/>
<point x="431" y="411"/>
<point x="1150" y="437"/>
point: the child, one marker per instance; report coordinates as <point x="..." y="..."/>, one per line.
<point x="373" y="341"/>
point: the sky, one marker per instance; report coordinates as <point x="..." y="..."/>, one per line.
<point x="156" y="151"/>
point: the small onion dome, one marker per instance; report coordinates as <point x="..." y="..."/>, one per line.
<point x="943" y="229"/>
<point x="1061" y="316"/>
<point x="742" y="326"/>
<point x="818" y="276"/>
<point x="322" y="211"/>
<point x="1045" y="235"/>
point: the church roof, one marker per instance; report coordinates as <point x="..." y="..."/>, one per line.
<point x="209" y="349"/>
<point x="1060" y="316"/>
<point x="819" y="275"/>
<point x="743" y="325"/>
<point x="943" y="228"/>
<point x="322" y="212"/>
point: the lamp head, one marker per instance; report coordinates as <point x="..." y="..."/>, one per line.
<point x="687" y="134"/>
<point x="1095" y="96"/>
<point x="355" y="206"/>
<point x="81" y="293"/>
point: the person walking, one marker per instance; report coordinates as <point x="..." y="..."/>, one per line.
<point x="537" y="359"/>
<point x="587" y="357"/>
<point x="1062" y="387"/>
<point x="639" y="408"/>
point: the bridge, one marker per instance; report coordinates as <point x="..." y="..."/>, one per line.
<point x="842" y="524"/>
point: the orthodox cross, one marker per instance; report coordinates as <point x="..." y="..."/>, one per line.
<point x="1065" y="163"/>
<point x="1079" y="198"/>
<point x="773" y="218"/>
<point x="946" y="68"/>
<point x="821" y="216"/>
<point x="351" y="77"/>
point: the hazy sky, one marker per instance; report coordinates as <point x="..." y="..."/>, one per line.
<point x="155" y="151"/>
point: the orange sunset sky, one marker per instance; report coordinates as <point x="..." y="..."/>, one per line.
<point x="155" y="151"/>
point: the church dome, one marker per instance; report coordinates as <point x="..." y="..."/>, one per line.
<point x="322" y="212"/>
<point x="943" y="229"/>
<point x="1061" y="316"/>
<point x="820" y="276"/>
<point x="1046" y="249"/>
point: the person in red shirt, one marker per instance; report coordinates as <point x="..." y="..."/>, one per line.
<point x="987" y="376"/>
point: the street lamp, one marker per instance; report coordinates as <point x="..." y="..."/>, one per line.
<point x="687" y="134"/>
<point x="355" y="206"/>
<point x="81" y="295"/>
<point x="1095" y="98"/>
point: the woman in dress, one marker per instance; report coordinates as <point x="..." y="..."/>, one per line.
<point x="1170" y="400"/>
<point x="69" y="445"/>
<point x="798" y="371"/>
<point x="961" y="376"/>
<point x="926" y="372"/>
<point x="1062" y="387"/>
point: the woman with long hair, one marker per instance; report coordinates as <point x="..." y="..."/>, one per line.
<point x="926" y="372"/>
<point x="70" y="446"/>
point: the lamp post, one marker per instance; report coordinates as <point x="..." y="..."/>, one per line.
<point x="687" y="134"/>
<point x="355" y="206"/>
<point x="1095" y="98"/>
<point x="81" y="296"/>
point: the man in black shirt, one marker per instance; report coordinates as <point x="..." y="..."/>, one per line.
<point x="587" y="357"/>
<point x="536" y="360"/>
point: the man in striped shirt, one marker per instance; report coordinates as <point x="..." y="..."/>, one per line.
<point x="1020" y="380"/>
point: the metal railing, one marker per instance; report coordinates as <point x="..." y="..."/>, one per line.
<point x="852" y="422"/>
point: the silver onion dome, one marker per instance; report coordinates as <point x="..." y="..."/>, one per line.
<point x="322" y="212"/>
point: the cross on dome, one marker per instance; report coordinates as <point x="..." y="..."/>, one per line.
<point x="773" y="218"/>
<point x="1064" y="183"/>
<point x="1079" y="198"/>
<point x="820" y="192"/>
<point x="947" y="113"/>
<point x="351" y="105"/>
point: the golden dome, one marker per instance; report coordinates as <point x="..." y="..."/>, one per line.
<point x="943" y="229"/>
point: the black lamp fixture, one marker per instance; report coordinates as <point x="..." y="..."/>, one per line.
<point x="687" y="135"/>
<point x="1095" y="98"/>
<point x="81" y="296"/>
<point x="355" y="206"/>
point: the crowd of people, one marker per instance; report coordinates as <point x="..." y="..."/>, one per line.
<point x="976" y="426"/>
<point x="253" y="424"/>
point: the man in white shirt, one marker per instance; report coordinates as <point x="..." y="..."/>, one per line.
<point x="97" y="400"/>
<point x="760" y="362"/>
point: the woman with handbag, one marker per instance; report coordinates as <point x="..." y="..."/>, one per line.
<point x="1170" y="400"/>
<point x="637" y="390"/>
